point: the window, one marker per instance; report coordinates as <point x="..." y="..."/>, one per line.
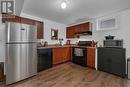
<point x="108" y="23"/>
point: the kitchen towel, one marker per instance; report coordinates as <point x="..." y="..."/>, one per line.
<point x="78" y="52"/>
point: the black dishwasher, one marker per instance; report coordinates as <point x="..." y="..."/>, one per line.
<point x="44" y="59"/>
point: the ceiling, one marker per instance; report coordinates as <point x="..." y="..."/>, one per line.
<point x="18" y="6"/>
<point x="76" y="11"/>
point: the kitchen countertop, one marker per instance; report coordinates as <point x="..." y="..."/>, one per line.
<point x="44" y="47"/>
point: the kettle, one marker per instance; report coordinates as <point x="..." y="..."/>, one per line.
<point x="109" y="37"/>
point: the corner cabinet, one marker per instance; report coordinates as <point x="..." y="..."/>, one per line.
<point x="18" y="19"/>
<point x="72" y="30"/>
<point x="61" y="54"/>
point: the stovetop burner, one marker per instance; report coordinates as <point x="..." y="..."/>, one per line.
<point x="84" y="43"/>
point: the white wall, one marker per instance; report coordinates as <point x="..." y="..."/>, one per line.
<point x="48" y="24"/>
<point x="123" y="32"/>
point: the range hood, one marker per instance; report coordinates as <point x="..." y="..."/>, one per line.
<point x="84" y="33"/>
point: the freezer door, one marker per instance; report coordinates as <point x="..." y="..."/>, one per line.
<point x="13" y="63"/>
<point x="16" y="32"/>
<point x="31" y="33"/>
<point x="28" y="33"/>
<point x="13" y="32"/>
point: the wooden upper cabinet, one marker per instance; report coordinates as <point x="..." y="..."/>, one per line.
<point x="85" y="27"/>
<point x="40" y="29"/>
<point x="70" y="32"/>
<point x="27" y="21"/>
<point x="91" y="57"/>
<point x="10" y="18"/>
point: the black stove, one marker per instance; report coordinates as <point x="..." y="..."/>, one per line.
<point x="80" y="53"/>
<point x="84" y="43"/>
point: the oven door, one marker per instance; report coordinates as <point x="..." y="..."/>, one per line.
<point x="80" y="56"/>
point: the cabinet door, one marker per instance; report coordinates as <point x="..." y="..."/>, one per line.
<point x="40" y="30"/>
<point x="66" y="54"/>
<point x="11" y="18"/>
<point x="57" y="55"/>
<point x="71" y="32"/>
<point x="117" y="56"/>
<point x="61" y="55"/>
<point x="103" y="59"/>
<point x="68" y="33"/>
<point x="112" y="60"/>
<point x="86" y="26"/>
<point x="27" y="21"/>
<point x="118" y="69"/>
<point x="80" y="28"/>
<point x="91" y="57"/>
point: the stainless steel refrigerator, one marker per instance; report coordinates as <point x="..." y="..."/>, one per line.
<point x="21" y="52"/>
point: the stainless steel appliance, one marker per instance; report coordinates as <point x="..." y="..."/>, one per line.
<point x="113" y="43"/>
<point x="21" y="52"/>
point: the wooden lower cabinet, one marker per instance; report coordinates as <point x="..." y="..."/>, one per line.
<point x="61" y="54"/>
<point x="91" y="57"/>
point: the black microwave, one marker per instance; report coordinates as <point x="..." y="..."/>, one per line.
<point x="113" y="43"/>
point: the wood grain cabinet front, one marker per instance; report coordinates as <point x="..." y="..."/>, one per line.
<point x="61" y="55"/>
<point x="91" y="57"/>
<point x="40" y="29"/>
<point x="27" y="21"/>
<point x="10" y="18"/>
<point x="72" y="30"/>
